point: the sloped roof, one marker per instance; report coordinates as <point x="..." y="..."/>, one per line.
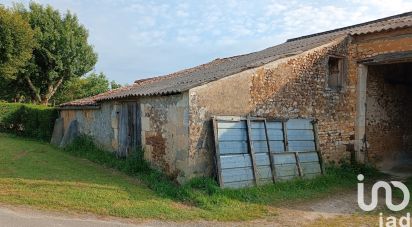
<point x="219" y="68"/>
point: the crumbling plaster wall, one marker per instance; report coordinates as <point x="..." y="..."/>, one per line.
<point x="101" y="124"/>
<point x="368" y="46"/>
<point x="165" y="132"/>
<point x="294" y="87"/>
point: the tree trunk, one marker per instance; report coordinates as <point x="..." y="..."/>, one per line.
<point x="51" y="90"/>
<point x="44" y="101"/>
<point x="36" y="93"/>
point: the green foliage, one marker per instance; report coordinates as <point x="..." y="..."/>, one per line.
<point x="62" y="52"/>
<point x="206" y="194"/>
<point x="16" y="43"/>
<point x="14" y="90"/>
<point x="84" y="146"/>
<point x="114" y="85"/>
<point x="357" y="168"/>
<point x="27" y="120"/>
<point x="83" y="87"/>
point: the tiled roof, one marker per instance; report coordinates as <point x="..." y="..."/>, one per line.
<point x="184" y="80"/>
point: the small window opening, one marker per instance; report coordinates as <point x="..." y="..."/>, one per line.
<point x="335" y="73"/>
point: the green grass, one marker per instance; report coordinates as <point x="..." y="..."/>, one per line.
<point x="39" y="175"/>
<point x="397" y="193"/>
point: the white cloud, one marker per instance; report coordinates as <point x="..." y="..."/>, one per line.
<point x="133" y="36"/>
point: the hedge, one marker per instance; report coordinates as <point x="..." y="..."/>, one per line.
<point x="27" y="120"/>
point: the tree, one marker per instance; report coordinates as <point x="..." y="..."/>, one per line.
<point x="78" y="88"/>
<point x="14" y="90"/>
<point x="114" y="85"/>
<point x="16" y="43"/>
<point x="61" y="55"/>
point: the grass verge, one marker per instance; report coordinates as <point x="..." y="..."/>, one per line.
<point x="37" y="174"/>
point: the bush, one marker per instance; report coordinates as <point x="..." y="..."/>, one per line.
<point x="27" y="120"/>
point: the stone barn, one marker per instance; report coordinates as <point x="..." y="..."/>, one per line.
<point x="355" y="82"/>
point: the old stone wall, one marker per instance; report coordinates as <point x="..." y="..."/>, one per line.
<point x="298" y="89"/>
<point x="383" y="102"/>
<point x="101" y="124"/>
<point x="389" y="111"/>
<point x="177" y="129"/>
<point x="293" y="87"/>
<point x="165" y="133"/>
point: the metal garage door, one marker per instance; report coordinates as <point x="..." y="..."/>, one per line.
<point x="253" y="151"/>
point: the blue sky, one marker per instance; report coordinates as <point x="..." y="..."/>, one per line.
<point x="142" y="38"/>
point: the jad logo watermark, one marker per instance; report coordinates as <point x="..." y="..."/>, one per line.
<point x="403" y="221"/>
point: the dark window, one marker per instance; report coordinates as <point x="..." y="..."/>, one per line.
<point x="335" y="73"/>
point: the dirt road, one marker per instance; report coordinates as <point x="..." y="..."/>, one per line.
<point x="337" y="206"/>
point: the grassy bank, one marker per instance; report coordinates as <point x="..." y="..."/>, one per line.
<point x="39" y="175"/>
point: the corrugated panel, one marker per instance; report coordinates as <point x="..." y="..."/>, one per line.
<point x="233" y="147"/>
<point x="300" y="146"/>
<point x="236" y="162"/>
<point x="277" y="146"/>
<point x="310" y="164"/>
<point x="237" y="174"/>
<point x="260" y="146"/>
<point x="285" y="166"/>
<point x="308" y="157"/>
<point x="232" y="134"/>
<point x="276" y="137"/>
<point x="300" y="135"/>
<point x="284" y="158"/>
<point x="275" y="134"/>
<point x="298" y="124"/>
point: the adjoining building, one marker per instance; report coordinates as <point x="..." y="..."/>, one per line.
<point x="355" y="81"/>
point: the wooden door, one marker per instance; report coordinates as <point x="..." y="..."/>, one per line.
<point x="129" y="129"/>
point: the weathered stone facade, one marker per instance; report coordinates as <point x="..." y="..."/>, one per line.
<point x="101" y="124"/>
<point x="295" y="87"/>
<point x="288" y="88"/>
<point x="389" y="111"/>
<point x="164" y="129"/>
<point x="176" y="130"/>
<point x="364" y="75"/>
<point x="165" y="132"/>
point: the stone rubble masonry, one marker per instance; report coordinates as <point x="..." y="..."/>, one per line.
<point x="388" y="115"/>
<point x="177" y="129"/>
<point x="294" y="87"/>
<point x="165" y="133"/>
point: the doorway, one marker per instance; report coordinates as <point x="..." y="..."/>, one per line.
<point x="129" y="128"/>
<point x="389" y="117"/>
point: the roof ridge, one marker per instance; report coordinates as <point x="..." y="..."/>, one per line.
<point x="351" y="26"/>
